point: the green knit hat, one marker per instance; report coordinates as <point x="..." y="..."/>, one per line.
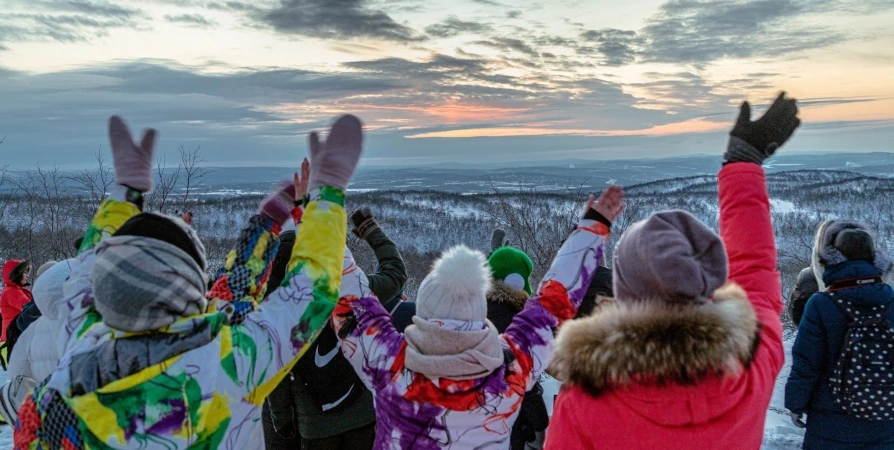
<point x="511" y="266"/>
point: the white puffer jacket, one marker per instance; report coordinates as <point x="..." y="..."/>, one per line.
<point x="37" y="351"/>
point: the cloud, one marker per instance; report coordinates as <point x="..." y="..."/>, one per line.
<point x="504" y="43"/>
<point x="618" y="47"/>
<point x="515" y="14"/>
<point x="191" y="19"/>
<point x="698" y="32"/>
<point x="63" y="21"/>
<point x="335" y="19"/>
<point x="454" y="27"/>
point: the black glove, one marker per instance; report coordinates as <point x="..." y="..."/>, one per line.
<point x="756" y="141"/>
<point x="364" y="222"/>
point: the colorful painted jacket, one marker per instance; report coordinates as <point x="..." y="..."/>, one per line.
<point x="198" y="383"/>
<point x="416" y="412"/>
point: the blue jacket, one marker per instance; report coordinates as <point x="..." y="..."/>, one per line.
<point x="817" y="346"/>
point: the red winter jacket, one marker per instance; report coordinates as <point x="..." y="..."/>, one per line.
<point x="722" y="408"/>
<point x="13" y="298"/>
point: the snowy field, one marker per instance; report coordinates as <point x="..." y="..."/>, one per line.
<point x="779" y="433"/>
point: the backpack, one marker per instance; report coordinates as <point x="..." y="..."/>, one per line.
<point x="862" y="380"/>
<point x="329" y="377"/>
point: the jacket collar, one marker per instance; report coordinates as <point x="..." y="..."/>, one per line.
<point x="501" y="293"/>
<point x="653" y="342"/>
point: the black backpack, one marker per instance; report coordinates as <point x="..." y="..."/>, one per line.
<point x="329" y="377"/>
<point x="862" y="381"/>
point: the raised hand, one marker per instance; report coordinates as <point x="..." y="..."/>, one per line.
<point x="610" y="204"/>
<point x="133" y="163"/>
<point x="766" y="134"/>
<point x="278" y="205"/>
<point x="301" y="182"/>
<point x="332" y="162"/>
<point x="364" y="222"/>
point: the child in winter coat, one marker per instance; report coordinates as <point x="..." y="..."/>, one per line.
<point x="15" y="293"/>
<point x="452" y="380"/>
<point x="148" y="364"/>
<point x="687" y="355"/>
<point x="849" y="271"/>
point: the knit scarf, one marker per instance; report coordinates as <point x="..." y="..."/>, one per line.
<point x="453" y="349"/>
<point x="144" y="284"/>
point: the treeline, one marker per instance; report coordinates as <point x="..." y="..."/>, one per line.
<point x="42" y="223"/>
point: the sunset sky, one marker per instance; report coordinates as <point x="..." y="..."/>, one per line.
<point x="439" y="80"/>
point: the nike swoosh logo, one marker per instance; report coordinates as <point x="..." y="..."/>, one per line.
<point x="322" y="360"/>
<point x="334" y="404"/>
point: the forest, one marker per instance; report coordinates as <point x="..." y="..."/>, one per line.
<point x="43" y="212"/>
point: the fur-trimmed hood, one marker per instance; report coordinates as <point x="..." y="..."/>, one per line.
<point x="656" y="342"/>
<point x="826" y="255"/>
<point x="507" y="295"/>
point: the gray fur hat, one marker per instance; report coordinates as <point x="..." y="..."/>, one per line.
<point x="839" y="241"/>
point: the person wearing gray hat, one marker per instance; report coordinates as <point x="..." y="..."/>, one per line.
<point x="687" y="353"/>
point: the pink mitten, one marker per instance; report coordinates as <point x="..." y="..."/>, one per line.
<point x="332" y="163"/>
<point x="133" y="163"/>
<point x="278" y="205"/>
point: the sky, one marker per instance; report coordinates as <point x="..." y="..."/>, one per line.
<point x="438" y="80"/>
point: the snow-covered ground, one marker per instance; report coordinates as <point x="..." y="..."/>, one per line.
<point x="779" y="433"/>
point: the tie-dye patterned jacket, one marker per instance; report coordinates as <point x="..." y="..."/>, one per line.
<point x="200" y="382"/>
<point x="413" y="411"/>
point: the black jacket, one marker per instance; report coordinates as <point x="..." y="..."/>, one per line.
<point x="290" y="399"/>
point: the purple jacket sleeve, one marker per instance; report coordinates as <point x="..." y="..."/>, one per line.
<point x="530" y="336"/>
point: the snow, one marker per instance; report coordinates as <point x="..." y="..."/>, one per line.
<point x="783" y="206"/>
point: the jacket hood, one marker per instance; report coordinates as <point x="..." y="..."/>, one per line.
<point x="47" y="291"/>
<point x="651" y="342"/>
<point x="826" y="255"/>
<point x="8" y="268"/>
<point x="509" y="296"/>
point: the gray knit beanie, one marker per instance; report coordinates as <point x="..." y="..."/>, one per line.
<point x="670" y="256"/>
<point x="149" y="274"/>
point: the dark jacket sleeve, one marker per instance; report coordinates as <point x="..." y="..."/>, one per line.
<point x="808" y="358"/>
<point x="29" y="314"/>
<point x="281" y="261"/>
<point x="389" y="279"/>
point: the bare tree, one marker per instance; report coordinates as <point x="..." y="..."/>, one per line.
<point x="95" y="182"/>
<point x="190" y="162"/>
<point x="4" y="181"/>
<point x="165" y="184"/>
<point x="538" y="224"/>
<point x="47" y="201"/>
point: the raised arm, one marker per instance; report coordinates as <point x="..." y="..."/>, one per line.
<point x="745" y="221"/>
<point x="391" y="274"/>
<point x="260" y="351"/>
<point x="530" y="335"/>
<point x="133" y="179"/>
<point x="369" y="339"/>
